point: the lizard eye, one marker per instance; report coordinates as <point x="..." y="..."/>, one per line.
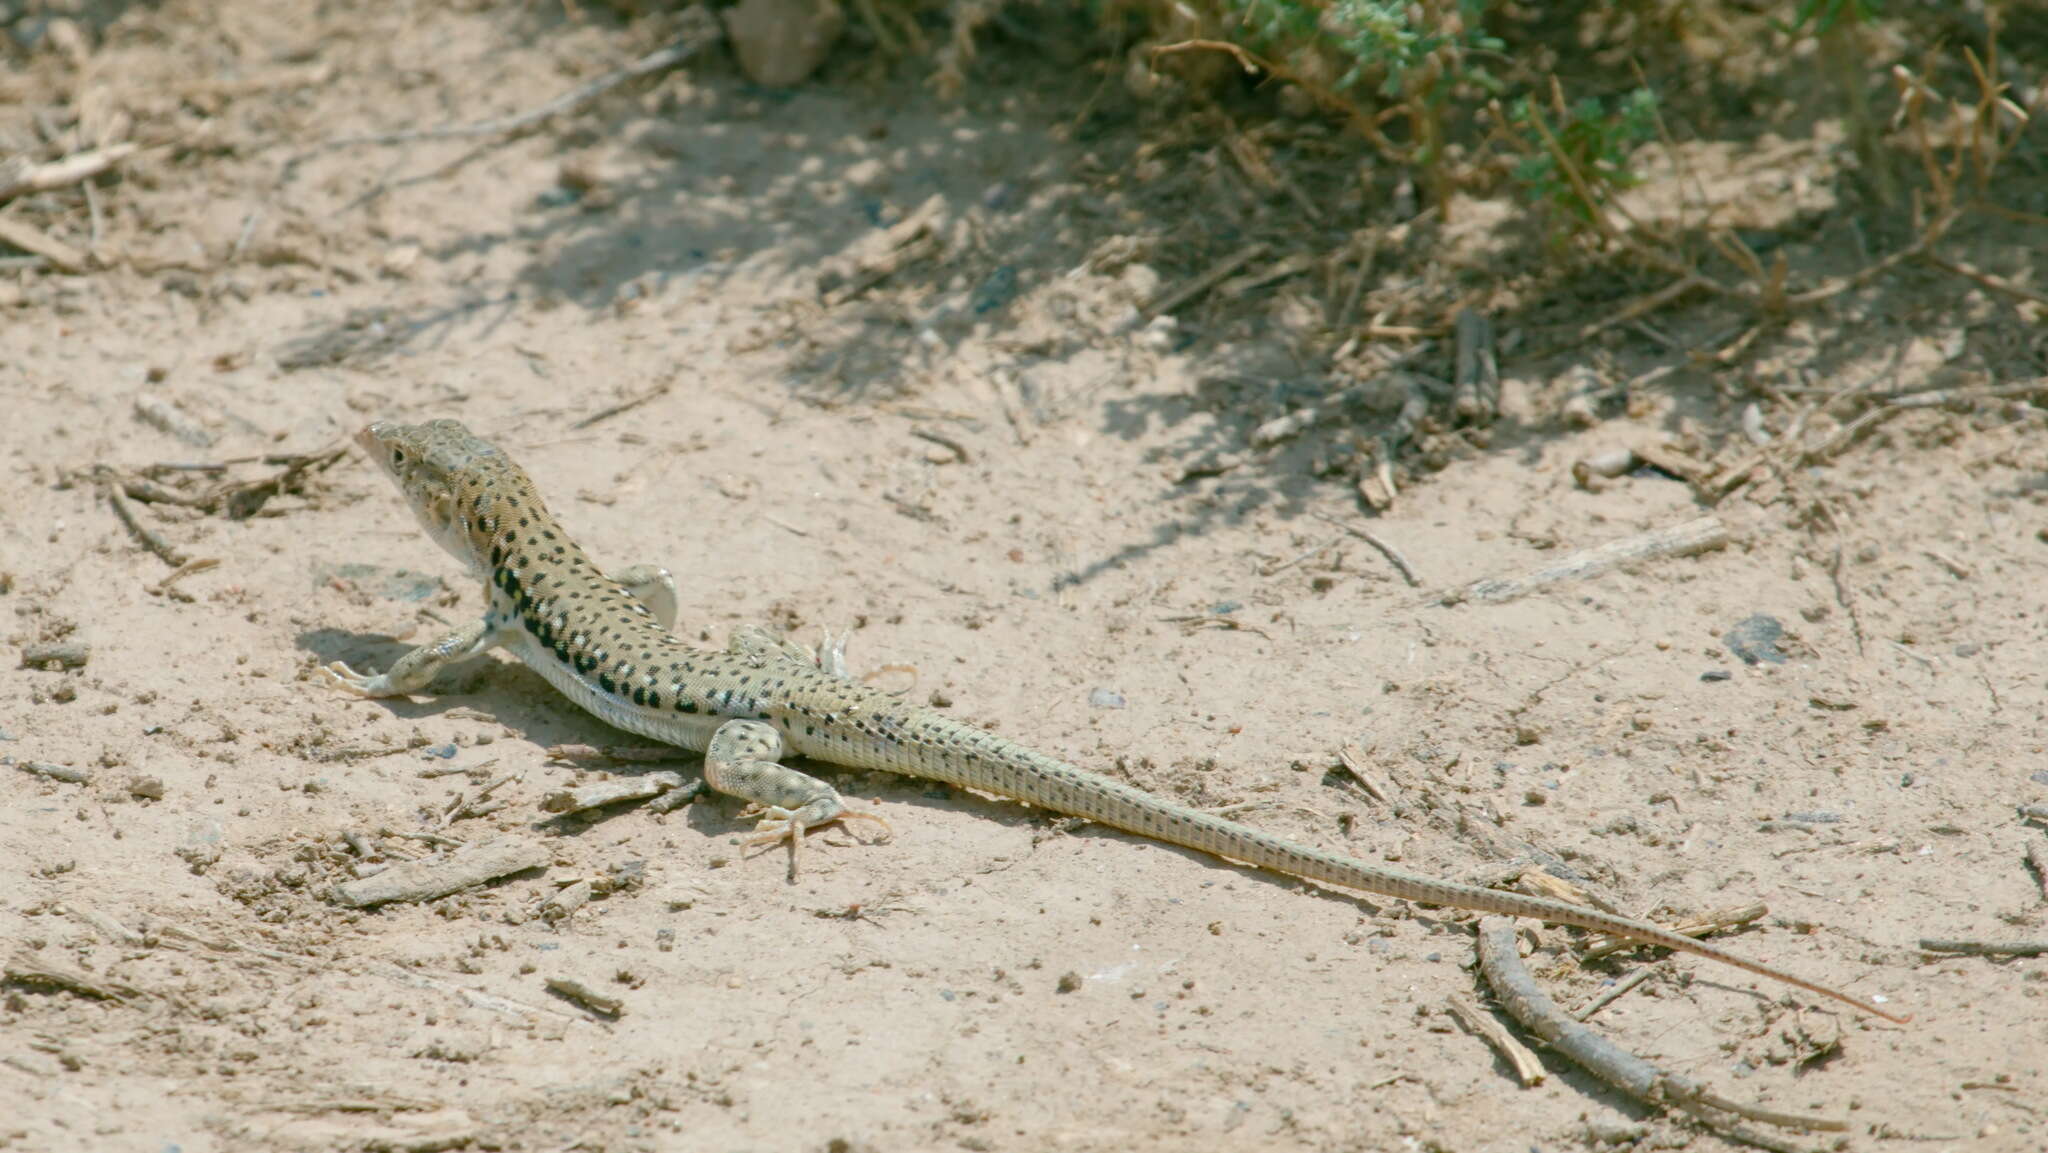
<point x="397" y="457"/>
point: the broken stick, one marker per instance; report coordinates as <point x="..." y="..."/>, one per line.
<point x="1476" y="393"/>
<point x="612" y="792"/>
<point x="1516" y="989"/>
<point x="426" y="880"/>
<point x="1694" y="536"/>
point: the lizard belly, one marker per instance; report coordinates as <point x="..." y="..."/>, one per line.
<point x="684" y="730"/>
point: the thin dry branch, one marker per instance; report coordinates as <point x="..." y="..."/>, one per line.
<point x="1528" y="1069"/>
<point x="1985" y="948"/>
<point x="611" y="792"/>
<point x="1501" y="963"/>
<point x="1476" y="383"/>
<point x="24" y="178"/>
<point x="426" y="880"/>
<point x="149" y="537"/>
<point x="1718" y="920"/>
<point x="1322" y="94"/>
<point x="26" y="968"/>
<point x="1394" y="556"/>
<point x="1703" y="534"/>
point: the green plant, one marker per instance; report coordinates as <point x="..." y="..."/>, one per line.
<point x="1823" y="15"/>
<point x="1576" y="166"/>
<point x="1416" y="53"/>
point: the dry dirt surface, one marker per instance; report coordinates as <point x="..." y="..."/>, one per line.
<point x="1034" y="505"/>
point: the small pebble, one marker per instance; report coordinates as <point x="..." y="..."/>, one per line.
<point x="1756" y="639"/>
<point x="995" y="290"/>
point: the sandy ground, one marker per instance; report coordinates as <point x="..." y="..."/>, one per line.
<point x="986" y="474"/>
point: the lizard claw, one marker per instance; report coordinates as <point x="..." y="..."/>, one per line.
<point x="781" y="824"/>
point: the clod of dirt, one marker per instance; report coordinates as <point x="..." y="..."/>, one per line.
<point x="781" y="42"/>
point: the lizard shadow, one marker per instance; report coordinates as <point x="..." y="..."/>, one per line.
<point x="496" y="687"/>
<point x="373" y="651"/>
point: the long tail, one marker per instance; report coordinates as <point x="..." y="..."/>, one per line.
<point x="995" y="764"/>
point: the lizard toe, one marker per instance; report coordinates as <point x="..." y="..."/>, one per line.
<point x="343" y="677"/>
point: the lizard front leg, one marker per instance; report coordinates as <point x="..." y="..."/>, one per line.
<point x="416" y="668"/>
<point x="743" y="761"/>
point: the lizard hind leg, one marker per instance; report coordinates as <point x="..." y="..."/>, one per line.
<point x="744" y="761"/>
<point x="762" y="646"/>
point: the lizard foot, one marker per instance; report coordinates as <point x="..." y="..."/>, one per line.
<point x="781" y="824"/>
<point x="343" y="677"/>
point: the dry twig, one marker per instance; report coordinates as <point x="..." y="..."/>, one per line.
<point x="1706" y="924"/>
<point x="1985" y="948"/>
<point x="20" y="180"/>
<point x="1703" y="534"/>
<point x="1475" y="397"/>
<point x="426" y="880"/>
<point x="27" y="969"/>
<point x="1393" y="555"/>
<point x="1516" y="988"/>
<point x="626" y="405"/>
<point x="36" y="242"/>
<point x="149" y="537"/>
<point x="49" y="655"/>
<point x="1527" y="1068"/>
<point x="69" y="774"/>
<point x="612" y="792"/>
<point x="603" y="1004"/>
<point x="1217" y="273"/>
<point x="1615" y="992"/>
<point x="1353" y="759"/>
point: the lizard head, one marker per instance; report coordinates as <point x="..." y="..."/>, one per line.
<point x="453" y="480"/>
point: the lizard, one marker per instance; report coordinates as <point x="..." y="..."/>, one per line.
<point x="606" y="642"/>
